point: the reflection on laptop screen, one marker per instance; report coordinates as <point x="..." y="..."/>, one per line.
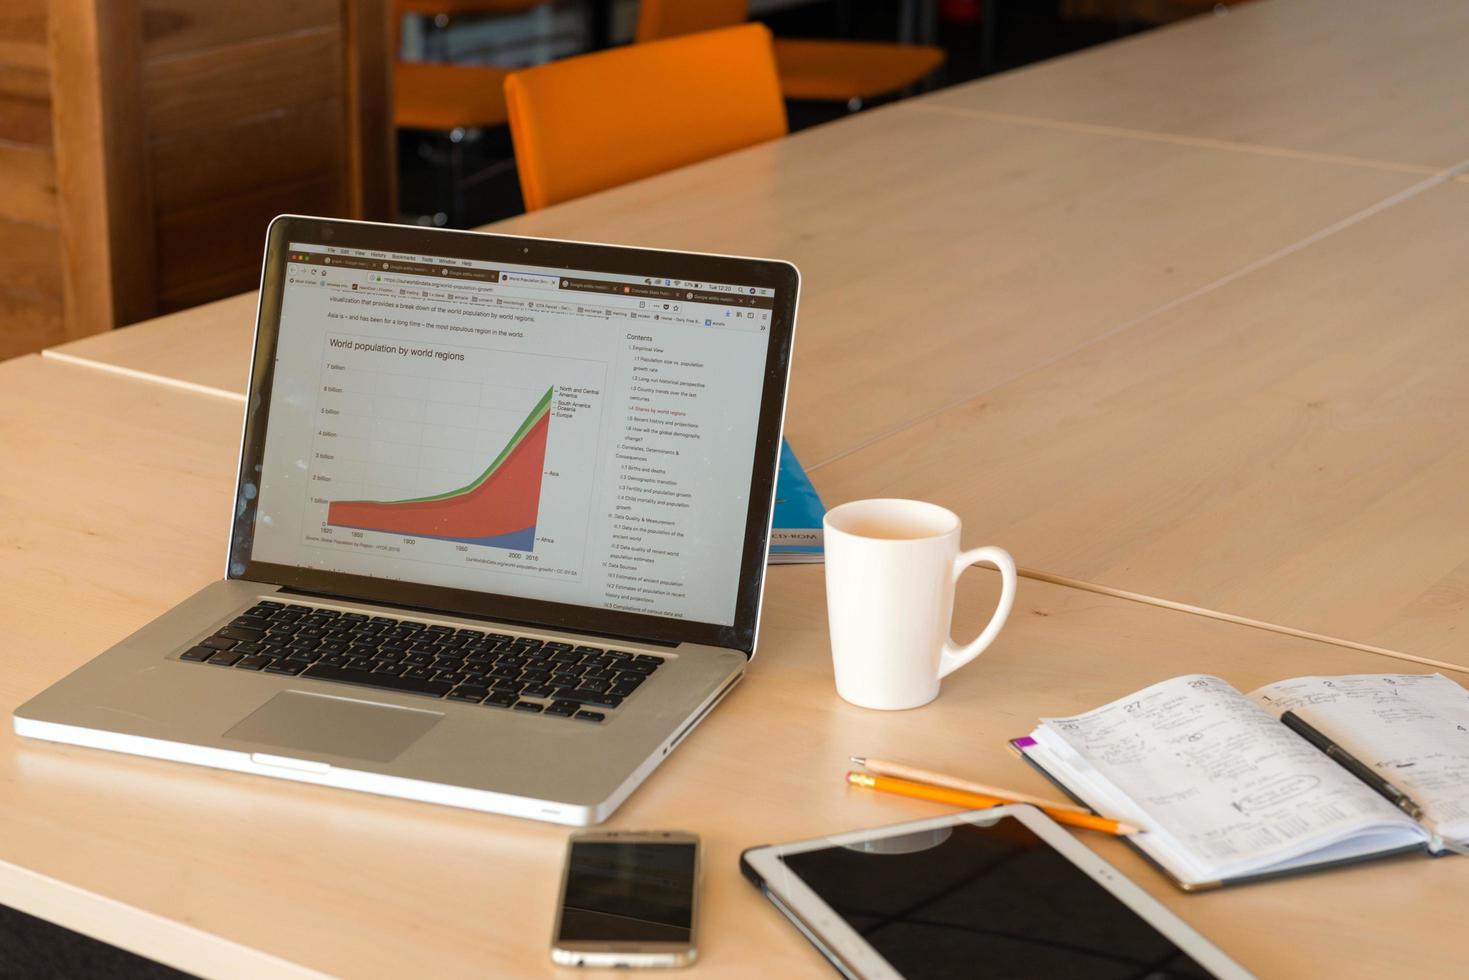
<point x="575" y="437"/>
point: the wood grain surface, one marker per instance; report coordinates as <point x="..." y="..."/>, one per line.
<point x="124" y="515"/>
<point x="1288" y="447"/>
<point x="1387" y="85"/>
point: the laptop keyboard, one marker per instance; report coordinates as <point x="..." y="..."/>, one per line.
<point x="517" y="673"/>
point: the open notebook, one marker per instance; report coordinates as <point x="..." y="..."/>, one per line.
<point x="1227" y="793"/>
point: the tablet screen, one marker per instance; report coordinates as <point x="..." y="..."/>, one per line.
<point x="996" y="901"/>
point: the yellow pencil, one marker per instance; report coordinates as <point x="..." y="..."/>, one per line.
<point x="976" y="801"/>
<point x="900" y="770"/>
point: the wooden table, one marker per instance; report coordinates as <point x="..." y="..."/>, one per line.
<point x="228" y="874"/>
<point x="1287" y="448"/>
<point x="1149" y="362"/>
<point x="995" y="249"/>
<point x="1351" y="80"/>
<point x="1031" y="390"/>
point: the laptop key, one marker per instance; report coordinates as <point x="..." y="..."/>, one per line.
<point x="528" y="706"/>
<point x="537" y="691"/>
<point x="219" y="642"/>
<point x="469" y="692"/>
<point x="587" y="697"/>
<point x="501" y="699"/>
<point x="254" y="662"/>
<point x="286" y="666"/>
<point x="564" y="709"/>
<point x="225" y="658"/>
<point x="410" y="685"/>
<point x="590" y="715"/>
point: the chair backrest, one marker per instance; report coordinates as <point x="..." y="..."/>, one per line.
<point x="599" y="120"/>
<point x="659" y="19"/>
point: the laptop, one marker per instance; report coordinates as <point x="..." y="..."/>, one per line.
<point x="500" y="527"/>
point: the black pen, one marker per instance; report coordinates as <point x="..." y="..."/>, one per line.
<point x="1352" y="765"/>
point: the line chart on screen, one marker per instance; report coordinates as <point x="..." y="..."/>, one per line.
<point x="454" y="455"/>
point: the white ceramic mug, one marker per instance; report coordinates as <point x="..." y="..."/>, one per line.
<point x="891" y="570"/>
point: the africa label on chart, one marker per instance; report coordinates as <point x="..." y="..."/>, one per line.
<point x="455" y="455"/>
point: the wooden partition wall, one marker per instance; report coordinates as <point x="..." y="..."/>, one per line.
<point x="145" y="145"/>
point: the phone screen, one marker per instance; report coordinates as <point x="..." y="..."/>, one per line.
<point x="629" y="892"/>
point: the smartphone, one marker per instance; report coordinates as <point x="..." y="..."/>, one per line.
<point x="629" y="898"/>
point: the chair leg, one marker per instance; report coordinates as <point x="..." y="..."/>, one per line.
<point x="456" y="168"/>
<point x="987" y="25"/>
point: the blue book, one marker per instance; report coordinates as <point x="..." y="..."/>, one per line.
<point x="795" y="527"/>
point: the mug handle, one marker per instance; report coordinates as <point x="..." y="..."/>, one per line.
<point x="955" y="656"/>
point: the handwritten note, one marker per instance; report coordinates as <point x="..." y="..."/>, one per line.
<point x="1411" y="728"/>
<point x="1207" y="766"/>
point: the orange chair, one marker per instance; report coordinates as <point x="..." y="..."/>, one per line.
<point x="442" y="95"/>
<point x="599" y="120"/>
<point x="838" y="71"/>
<point x="456" y="99"/>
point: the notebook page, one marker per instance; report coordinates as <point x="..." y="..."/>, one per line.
<point x="1411" y="728"/>
<point x="1207" y="767"/>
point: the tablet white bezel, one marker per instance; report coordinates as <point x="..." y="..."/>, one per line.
<point x="852" y="955"/>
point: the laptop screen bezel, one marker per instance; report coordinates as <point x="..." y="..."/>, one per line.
<point x="616" y="259"/>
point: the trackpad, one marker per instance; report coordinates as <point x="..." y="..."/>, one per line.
<point x="335" y="726"/>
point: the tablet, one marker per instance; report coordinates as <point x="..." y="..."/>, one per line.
<point x="1004" y="892"/>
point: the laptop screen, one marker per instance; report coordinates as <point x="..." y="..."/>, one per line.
<point x="566" y="435"/>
